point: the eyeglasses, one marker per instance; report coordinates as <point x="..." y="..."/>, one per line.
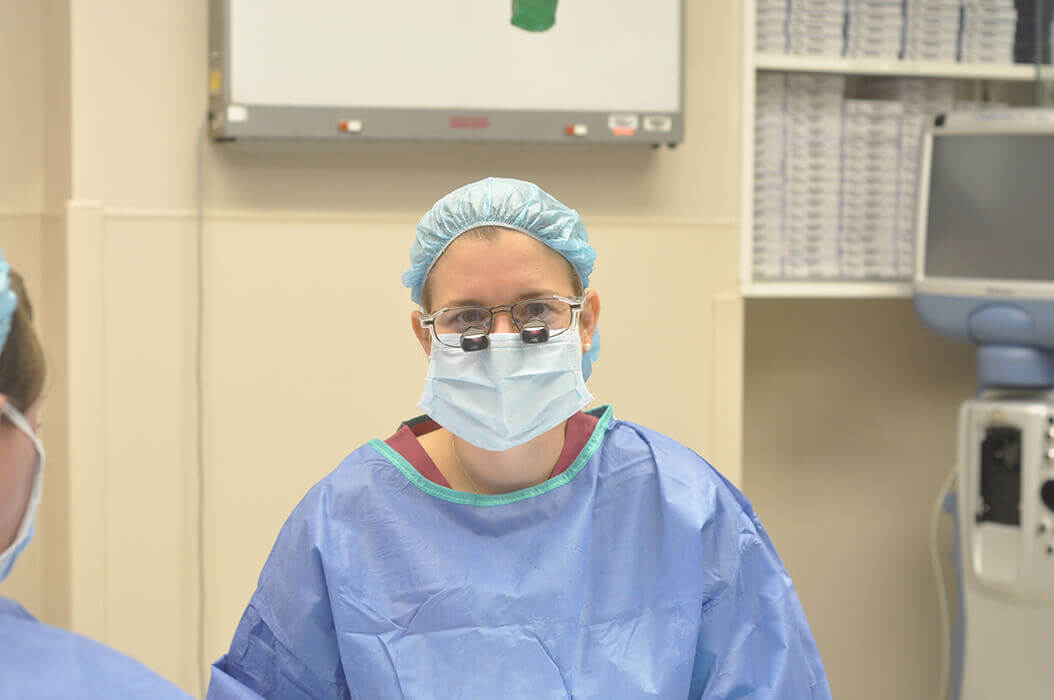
<point x="537" y="320"/>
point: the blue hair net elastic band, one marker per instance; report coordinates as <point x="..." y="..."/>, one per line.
<point x="8" y="301"/>
<point x="515" y="204"/>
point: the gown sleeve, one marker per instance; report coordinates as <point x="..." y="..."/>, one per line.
<point x="285" y="645"/>
<point x="754" y="640"/>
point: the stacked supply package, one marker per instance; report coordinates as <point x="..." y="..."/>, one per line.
<point x="813" y="174"/>
<point x="921" y="98"/>
<point x="988" y="29"/>
<point x="769" y="180"/>
<point x="816" y="27"/>
<point x="871" y="189"/>
<point x="874" y="29"/>
<point x="931" y="30"/>
<point x="771" y="28"/>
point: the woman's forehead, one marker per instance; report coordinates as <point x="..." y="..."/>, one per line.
<point x="507" y="265"/>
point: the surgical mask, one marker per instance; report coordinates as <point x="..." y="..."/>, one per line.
<point x="507" y="394"/>
<point x="26" y="528"/>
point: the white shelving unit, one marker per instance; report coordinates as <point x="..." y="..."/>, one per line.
<point x="905" y="69"/>
<point x="755" y="63"/>
<point x="806" y="289"/>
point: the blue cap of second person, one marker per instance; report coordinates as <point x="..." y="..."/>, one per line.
<point x="8" y="301"/>
<point x="514" y="204"/>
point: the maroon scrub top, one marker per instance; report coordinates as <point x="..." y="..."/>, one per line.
<point x="580" y="427"/>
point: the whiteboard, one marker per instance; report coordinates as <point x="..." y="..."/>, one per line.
<point x="613" y="57"/>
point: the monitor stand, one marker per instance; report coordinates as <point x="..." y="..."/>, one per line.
<point x="1015" y="367"/>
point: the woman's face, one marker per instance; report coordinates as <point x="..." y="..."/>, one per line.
<point x="18" y="459"/>
<point x="504" y="269"/>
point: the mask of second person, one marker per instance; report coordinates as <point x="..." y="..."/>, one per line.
<point x="27" y="526"/>
<point x="507" y="394"/>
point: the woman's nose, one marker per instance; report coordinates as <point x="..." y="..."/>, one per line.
<point x="503" y="323"/>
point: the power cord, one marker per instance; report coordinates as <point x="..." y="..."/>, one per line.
<point x="942" y="592"/>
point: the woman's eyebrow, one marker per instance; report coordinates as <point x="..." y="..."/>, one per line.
<point x="463" y="302"/>
<point x="536" y="294"/>
<point x="475" y="302"/>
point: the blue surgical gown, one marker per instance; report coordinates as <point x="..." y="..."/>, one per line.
<point x="637" y="573"/>
<point x="40" y="661"/>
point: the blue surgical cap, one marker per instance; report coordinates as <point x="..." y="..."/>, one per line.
<point x="8" y="301"/>
<point x="515" y="204"/>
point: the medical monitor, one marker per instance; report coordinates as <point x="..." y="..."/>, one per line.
<point x="986" y="209"/>
<point x="984" y="268"/>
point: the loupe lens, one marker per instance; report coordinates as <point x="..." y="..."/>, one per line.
<point x="474" y="339"/>
<point x="534" y="332"/>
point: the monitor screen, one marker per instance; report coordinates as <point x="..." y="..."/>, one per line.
<point x="991" y="207"/>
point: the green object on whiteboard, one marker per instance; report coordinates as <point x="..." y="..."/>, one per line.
<point x="534" y="15"/>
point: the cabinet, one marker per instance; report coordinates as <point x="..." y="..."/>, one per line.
<point x="829" y="141"/>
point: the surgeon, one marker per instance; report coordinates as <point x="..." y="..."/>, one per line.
<point x="506" y="543"/>
<point x="36" y="660"/>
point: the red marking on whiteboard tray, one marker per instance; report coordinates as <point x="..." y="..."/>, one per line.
<point x="469" y="122"/>
<point x="623" y="124"/>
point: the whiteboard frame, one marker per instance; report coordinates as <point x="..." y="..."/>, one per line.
<point x="229" y="121"/>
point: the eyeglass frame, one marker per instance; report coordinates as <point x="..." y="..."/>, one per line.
<point x="576" y="304"/>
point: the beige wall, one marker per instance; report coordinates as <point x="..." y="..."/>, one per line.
<point x="21" y="83"/>
<point x="850" y="429"/>
<point x="56" y="158"/>
<point x="293" y="381"/>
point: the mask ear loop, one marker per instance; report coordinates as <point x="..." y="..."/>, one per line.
<point x="20" y="422"/>
<point x="26" y="528"/>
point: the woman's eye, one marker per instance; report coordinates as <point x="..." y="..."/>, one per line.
<point x="470" y="316"/>
<point x="538" y="309"/>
